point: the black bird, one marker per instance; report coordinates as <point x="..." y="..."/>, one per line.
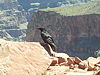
<point x="47" y="38"/>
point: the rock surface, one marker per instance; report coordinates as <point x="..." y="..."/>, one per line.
<point x="73" y="66"/>
<point x="24" y="58"/>
<point x="32" y="58"/>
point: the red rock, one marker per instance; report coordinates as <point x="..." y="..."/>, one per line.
<point x="54" y="62"/>
<point x="70" y="61"/>
<point x="97" y="65"/>
<point x="61" y="60"/>
<point x="77" y="60"/>
<point x="98" y="73"/>
<point x="62" y="57"/>
<point x="90" y="67"/>
<point x="83" y="64"/>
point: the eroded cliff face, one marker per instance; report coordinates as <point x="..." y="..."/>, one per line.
<point x="77" y="35"/>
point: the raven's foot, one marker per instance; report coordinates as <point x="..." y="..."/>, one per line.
<point x="53" y="54"/>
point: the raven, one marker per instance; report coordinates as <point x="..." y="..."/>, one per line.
<point x="47" y="38"/>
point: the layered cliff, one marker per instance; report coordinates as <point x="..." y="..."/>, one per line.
<point x="12" y="20"/>
<point x="77" y="35"/>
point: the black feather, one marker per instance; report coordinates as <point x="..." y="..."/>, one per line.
<point x="47" y="38"/>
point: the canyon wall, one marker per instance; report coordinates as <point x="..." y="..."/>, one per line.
<point x="77" y="35"/>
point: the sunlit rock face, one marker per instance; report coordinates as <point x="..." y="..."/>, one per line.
<point x="76" y="35"/>
<point x="23" y="58"/>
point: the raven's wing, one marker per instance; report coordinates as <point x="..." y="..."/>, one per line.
<point x="47" y="37"/>
<point x="46" y="34"/>
<point x="51" y="43"/>
<point x="50" y="40"/>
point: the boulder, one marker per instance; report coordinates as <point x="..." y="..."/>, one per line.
<point x="62" y="57"/>
<point x="61" y="60"/>
<point x="97" y="65"/>
<point x="54" y="62"/>
<point x="90" y="67"/>
<point x="77" y="60"/>
<point x="83" y="64"/>
<point x="70" y="60"/>
<point x="23" y="58"/>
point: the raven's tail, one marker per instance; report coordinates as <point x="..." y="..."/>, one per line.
<point x="54" y="47"/>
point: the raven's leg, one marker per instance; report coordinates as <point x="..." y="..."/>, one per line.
<point x="52" y="53"/>
<point x="53" y="46"/>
